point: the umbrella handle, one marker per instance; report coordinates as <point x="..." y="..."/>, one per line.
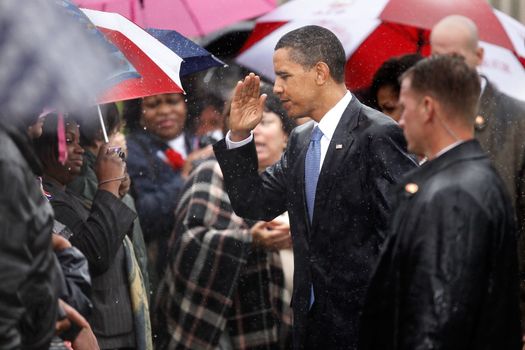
<point x="104" y="132"/>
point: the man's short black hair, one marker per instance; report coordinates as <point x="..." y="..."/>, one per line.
<point x="313" y="44"/>
<point x="449" y="80"/>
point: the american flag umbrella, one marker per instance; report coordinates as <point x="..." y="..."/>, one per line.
<point x="373" y="31"/>
<point x="158" y="66"/>
<point x="195" y="57"/>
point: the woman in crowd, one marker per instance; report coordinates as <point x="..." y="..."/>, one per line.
<point x="159" y="159"/>
<point x="86" y="184"/>
<point x="120" y="310"/>
<point x="385" y="84"/>
<point x="224" y="285"/>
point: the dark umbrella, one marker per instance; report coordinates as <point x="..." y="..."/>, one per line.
<point x="195" y="57"/>
<point x="48" y="58"/>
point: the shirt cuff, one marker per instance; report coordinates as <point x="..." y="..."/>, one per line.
<point x="232" y="144"/>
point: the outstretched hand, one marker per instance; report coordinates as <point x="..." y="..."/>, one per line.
<point x="246" y="108"/>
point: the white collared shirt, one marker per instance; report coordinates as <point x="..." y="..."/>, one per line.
<point x="449" y="147"/>
<point x="328" y="124"/>
<point x="179" y="145"/>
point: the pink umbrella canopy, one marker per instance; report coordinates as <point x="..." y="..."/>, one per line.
<point x="371" y="33"/>
<point x="189" y="17"/>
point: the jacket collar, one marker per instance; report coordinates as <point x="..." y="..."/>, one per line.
<point x="468" y="150"/>
<point x="487" y="105"/>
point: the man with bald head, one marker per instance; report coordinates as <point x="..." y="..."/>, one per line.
<point x="500" y="123"/>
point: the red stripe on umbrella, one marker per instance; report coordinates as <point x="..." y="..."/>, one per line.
<point x="153" y="80"/>
<point x="158" y="65"/>
<point x="426" y="13"/>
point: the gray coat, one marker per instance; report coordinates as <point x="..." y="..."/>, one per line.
<point x="500" y="129"/>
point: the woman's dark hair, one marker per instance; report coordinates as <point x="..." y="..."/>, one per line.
<point x="389" y="72"/>
<point x="89" y="122"/>
<point x="46" y="146"/>
<point x="273" y="104"/>
<point x="131" y="114"/>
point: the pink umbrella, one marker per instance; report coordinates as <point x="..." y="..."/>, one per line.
<point x="188" y="17"/>
<point x="131" y="9"/>
<point x="372" y="32"/>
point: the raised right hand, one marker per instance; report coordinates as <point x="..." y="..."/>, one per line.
<point x="246" y="108"/>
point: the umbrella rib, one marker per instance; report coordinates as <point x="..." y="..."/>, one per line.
<point x="193" y="17"/>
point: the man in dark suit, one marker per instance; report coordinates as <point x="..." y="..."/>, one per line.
<point x="447" y="277"/>
<point x="500" y="123"/>
<point x="333" y="181"/>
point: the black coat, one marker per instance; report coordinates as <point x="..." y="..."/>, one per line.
<point x="98" y="233"/>
<point x="336" y="253"/>
<point x="447" y="276"/>
<point x="28" y="295"/>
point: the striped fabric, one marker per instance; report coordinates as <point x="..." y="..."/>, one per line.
<point x="216" y="280"/>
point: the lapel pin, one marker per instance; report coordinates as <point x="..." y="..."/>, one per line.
<point x="480" y="122"/>
<point x="411" y="188"/>
<point x="338" y="146"/>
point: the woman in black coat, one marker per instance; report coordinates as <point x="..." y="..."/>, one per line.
<point x="99" y="231"/>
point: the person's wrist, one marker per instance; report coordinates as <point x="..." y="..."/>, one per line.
<point x="239" y="135"/>
<point x="110" y="186"/>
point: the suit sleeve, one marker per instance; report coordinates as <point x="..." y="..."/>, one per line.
<point x="253" y="196"/>
<point x="389" y="162"/>
<point x="101" y="235"/>
<point x="445" y="272"/>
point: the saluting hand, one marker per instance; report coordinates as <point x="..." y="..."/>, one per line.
<point x="246" y="108"/>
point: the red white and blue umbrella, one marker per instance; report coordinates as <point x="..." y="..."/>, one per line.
<point x="195" y="57"/>
<point x="158" y="66"/>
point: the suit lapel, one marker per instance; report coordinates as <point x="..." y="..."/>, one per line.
<point x="337" y="151"/>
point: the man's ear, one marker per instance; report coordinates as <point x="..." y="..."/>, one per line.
<point x="322" y="73"/>
<point x="480" y="54"/>
<point x="429" y="108"/>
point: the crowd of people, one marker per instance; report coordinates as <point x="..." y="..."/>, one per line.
<point x="291" y="216"/>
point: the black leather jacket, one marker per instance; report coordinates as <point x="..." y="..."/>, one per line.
<point x="28" y="301"/>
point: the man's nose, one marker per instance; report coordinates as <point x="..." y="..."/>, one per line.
<point x="277" y="88"/>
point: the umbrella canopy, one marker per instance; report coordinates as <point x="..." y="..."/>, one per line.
<point x="48" y="58"/>
<point x="195" y="57"/>
<point x="189" y="17"/>
<point x="369" y="39"/>
<point x="158" y="66"/>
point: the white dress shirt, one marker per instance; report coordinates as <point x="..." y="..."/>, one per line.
<point x="179" y="145"/>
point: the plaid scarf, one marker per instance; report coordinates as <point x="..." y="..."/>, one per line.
<point x="216" y="280"/>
